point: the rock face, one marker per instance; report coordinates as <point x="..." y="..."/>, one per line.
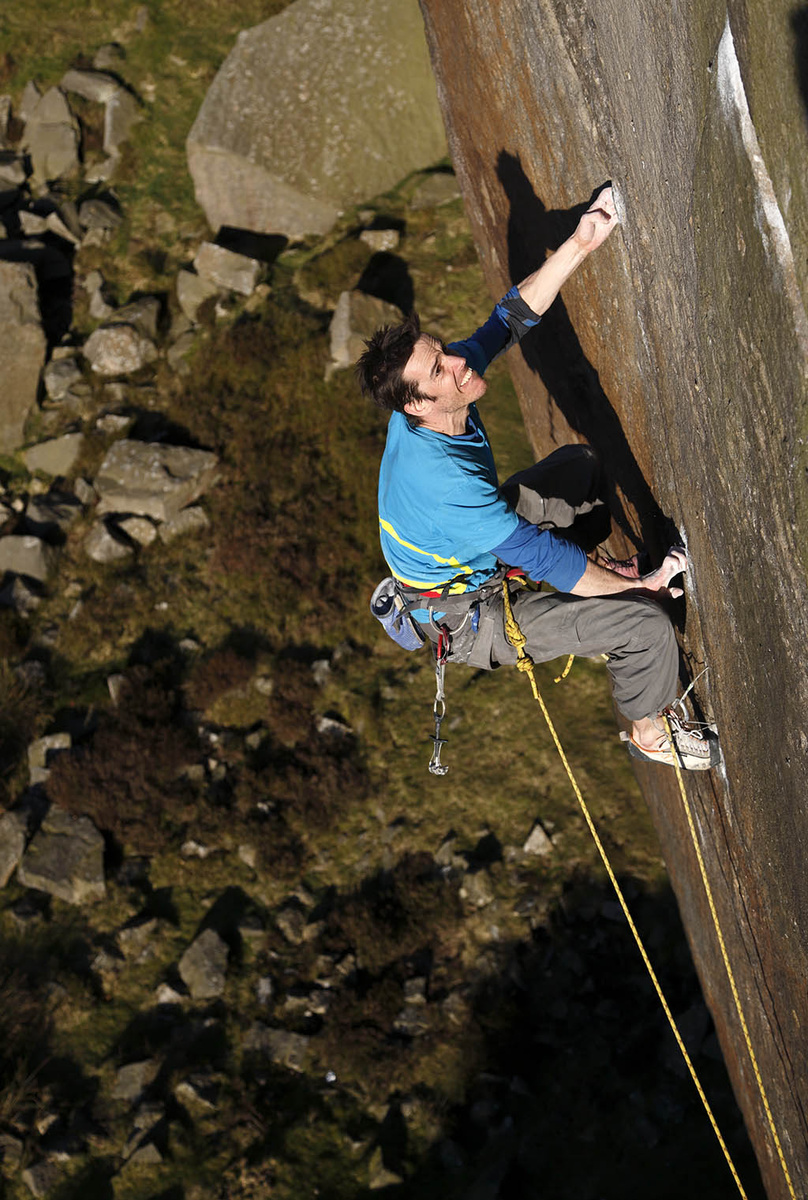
<point x="22" y="350"/>
<point x="328" y="103"/>
<point x="680" y="352"/>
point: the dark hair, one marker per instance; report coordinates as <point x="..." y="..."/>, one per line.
<point x="380" y="367"/>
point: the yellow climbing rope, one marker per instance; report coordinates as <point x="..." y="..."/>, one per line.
<point x="525" y="663"/>
<point x="730" y="975"/>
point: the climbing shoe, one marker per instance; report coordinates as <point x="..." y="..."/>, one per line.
<point x="695" y="748"/>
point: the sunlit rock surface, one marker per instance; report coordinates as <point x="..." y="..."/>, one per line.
<point x="325" y="105"/>
<point x="680" y="351"/>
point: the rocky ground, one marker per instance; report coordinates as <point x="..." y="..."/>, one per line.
<point x="250" y="947"/>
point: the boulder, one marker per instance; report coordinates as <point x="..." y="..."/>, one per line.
<point x="439" y="187"/>
<point x="203" y="966"/>
<point x="132" y="1080"/>
<point x="190" y="520"/>
<point x="91" y="85"/>
<point x="22" y="350"/>
<point x="278" y="1045"/>
<point x="103" y="546"/>
<point x="193" y="291"/>
<point x="153" y="480"/>
<point x="122" y="112"/>
<point x="100" y="221"/>
<point x="23" y="554"/>
<point x="42" y="752"/>
<point x="139" y="529"/>
<point x="228" y="270"/>
<point x="58" y="456"/>
<point x="65" y="859"/>
<point x="51" y="137"/>
<point x="12" y="170"/>
<point x="52" y="514"/>
<point x="356" y="317"/>
<point x="118" y="350"/>
<point x="12" y="844"/>
<point x="326" y="104"/>
<point x="59" y="376"/>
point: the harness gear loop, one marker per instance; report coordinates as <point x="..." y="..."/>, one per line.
<point x="730" y="974"/>
<point x="525" y="663"/>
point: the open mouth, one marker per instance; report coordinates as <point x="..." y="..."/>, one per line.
<point x="466" y="377"/>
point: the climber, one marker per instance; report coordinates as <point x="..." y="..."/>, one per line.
<point x="449" y="531"/>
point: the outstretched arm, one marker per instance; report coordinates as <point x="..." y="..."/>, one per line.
<point x="540" y="289"/>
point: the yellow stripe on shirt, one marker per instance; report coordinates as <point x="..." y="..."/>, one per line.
<point x="448" y="562"/>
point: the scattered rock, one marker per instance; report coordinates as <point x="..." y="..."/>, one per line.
<point x="142" y="314"/>
<point x="139" y="529"/>
<point x="291" y="918"/>
<point x="59" y="376"/>
<point x="199" y="1091"/>
<point x="136" y="936"/>
<point x="41" y="1177"/>
<point x="51" y="138"/>
<point x="179" y="350"/>
<point x="538" y="842"/>
<point x="11" y="1149"/>
<point x="19" y="595"/>
<point x="438" y="188"/>
<point x="91" y="85"/>
<point x="476" y="890"/>
<point x="203" y="966"/>
<point x="108" y="57"/>
<point x="26" y="555"/>
<point x="42" y="752"/>
<point x="122" y="112"/>
<point x="22" y="350"/>
<point x="65" y="858"/>
<point x="294" y="128"/>
<point x="279" y="1045"/>
<point x="356" y="317"/>
<point x="230" y="271"/>
<point x="100" y="220"/>
<point x="55" y="457"/>
<point x="379" y="1176"/>
<point x="153" y="480"/>
<point x="103" y="546"/>
<point x="12" y="844"/>
<point x="190" y="520"/>
<point x="146" y="1155"/>
<point x="132" y="1080"/>
<point x="118" y="349"/>
<point x="12" y="170"/>
<point x="380" y="240"/>
<point x="193" y="291"/>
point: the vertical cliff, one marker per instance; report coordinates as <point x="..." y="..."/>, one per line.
<point x="681" y="352"/>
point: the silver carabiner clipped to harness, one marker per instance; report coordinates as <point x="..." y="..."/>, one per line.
<point x="436" y="767"/>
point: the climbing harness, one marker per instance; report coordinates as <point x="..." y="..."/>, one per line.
<point x="525" y="663"/>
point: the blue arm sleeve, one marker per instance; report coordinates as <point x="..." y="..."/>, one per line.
<point x="543" y="555"/>
<point x="507" y="325"/>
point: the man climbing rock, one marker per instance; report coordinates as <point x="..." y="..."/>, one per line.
<point x="449" y="532"/>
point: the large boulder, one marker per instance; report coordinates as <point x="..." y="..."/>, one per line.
<point x="680" y="352"/>
<point x="52" y="137"/>
<point x="66" y="859"/>
<point x="22" y="350"/>
<point x="327" y="104"/>
<point x="153" y="480"/>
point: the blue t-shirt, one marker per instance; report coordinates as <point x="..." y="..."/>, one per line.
<point x="441" y="516"/>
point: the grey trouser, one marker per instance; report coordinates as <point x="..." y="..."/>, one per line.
<point x="633" y="630"/>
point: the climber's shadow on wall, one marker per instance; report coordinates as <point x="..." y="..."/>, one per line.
<point x="554" y="353"/>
